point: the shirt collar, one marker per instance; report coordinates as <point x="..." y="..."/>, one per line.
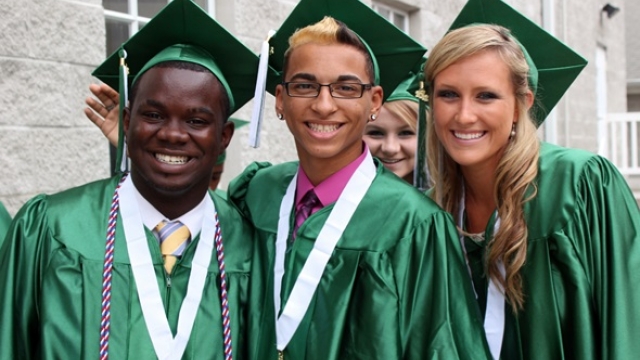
<point x="151" y="217"/>
<point x="329" y="190"/>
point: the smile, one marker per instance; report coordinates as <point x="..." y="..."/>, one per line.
<point x="390" y="161"/>
<point x="468" y="136"/>
<point x="173" y="160"/>
<point x="323" y="128"/>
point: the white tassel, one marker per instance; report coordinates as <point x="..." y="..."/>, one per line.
<point x="259" y="95"/>
<point x="124" y="96"/>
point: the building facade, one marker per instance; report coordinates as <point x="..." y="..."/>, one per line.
<point x="48" y="49"/>
<point x="632" y="13"/>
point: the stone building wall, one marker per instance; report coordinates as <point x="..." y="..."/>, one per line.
<point x="47" y="51"/>
<point x="49" y="47"/>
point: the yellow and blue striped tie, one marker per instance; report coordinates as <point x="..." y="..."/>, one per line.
<point x="173" y="236"/>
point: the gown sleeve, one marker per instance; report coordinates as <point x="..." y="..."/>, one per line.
<point x="23" y="257"/>
<point x="608" y="239"/>
<point x="439" y="317"/>
<point x="238" y="187"/>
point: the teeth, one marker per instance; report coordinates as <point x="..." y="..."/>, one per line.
<point x="390" y="161"/>
<point x="471" y="136"/>
<point x="323" y="127"/>
<point x="168" y="159"/>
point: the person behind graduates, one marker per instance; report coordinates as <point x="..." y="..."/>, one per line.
<point x="392" y="137"/>
<point x="375" y="270"/>
<point x="552" y="235"/>
<point x="82" y="272"/>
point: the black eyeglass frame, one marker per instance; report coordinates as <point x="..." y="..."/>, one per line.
<point x="363" y="87"/>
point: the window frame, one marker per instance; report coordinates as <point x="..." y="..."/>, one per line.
<point x="376" y="6"/>
<point x="135" y="21"/>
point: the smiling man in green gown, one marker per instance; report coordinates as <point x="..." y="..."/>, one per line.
<point x="375" y="270"/>
<point x="83" y="274"/>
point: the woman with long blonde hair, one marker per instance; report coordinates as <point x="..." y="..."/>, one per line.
<point x="551" y="235"/>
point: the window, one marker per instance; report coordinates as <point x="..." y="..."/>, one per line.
<point x="396" y="16"/>
<point x="125" y="17"/>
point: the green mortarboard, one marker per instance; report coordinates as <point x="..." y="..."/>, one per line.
<point x="238" y="124"/>
<point x="182" y="31"/>
<point x="394" y="51"/>
<point x="555" y="65"/>
<point x="409" y="88"/>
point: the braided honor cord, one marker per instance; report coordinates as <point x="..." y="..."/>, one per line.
<point x="224" y="301"/>
<point x="107" y="269"/>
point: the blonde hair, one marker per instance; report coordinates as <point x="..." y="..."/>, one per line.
<point x="518" y="167"/>
<point x="406" y="110"/>
<point x="328" y="31"/>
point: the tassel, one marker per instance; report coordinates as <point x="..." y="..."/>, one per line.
<point x="420" y="172"/>
<point x="122" y="164"/>
<point x="259" y="95"/>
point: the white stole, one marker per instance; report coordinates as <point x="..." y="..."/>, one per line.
<point x="165" y="345"/>
<point x="309" y="278"/>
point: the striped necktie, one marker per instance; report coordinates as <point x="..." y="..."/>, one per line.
<point x="303" y="210"/>
<point x="173" y="236"/>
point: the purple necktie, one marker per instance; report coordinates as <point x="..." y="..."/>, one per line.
<point x="303" y="210"/>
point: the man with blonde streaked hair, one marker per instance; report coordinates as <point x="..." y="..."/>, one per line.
<point x="357" y="263"/>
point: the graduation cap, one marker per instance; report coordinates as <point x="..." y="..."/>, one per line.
<point x="181" y="31"/>
<point x="553" y="65"/>
<point x="238" y="124"/>
<point x="412" y="87"/>
<point x="392" y="51"/>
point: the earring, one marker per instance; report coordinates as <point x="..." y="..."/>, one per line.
<point x="280" y="116"/>
<point x="373" y="117"/>
<point x="513" y="130"/>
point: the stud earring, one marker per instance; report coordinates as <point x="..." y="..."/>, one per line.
<point x="280" y="116"/>
<point x="373" y="117"/>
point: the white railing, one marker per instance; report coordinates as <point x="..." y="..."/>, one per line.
<point x="619" y="136"/>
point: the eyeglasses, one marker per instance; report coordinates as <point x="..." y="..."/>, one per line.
<point x="337" y="90"/>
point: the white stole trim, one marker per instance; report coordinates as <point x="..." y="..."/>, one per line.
<point x="165" y="345"/>
<point x="258" y="97"/>
<point x="311" y="273"/>
<point x="494" y="314"/>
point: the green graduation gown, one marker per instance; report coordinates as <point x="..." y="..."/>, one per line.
<point x="582" y="273"/>
<point x="5" y="220"/>
<point x="395" y="287"/>
<point x="51" y="283"/>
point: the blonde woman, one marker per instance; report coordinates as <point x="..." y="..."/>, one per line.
<point x="392" y="137"/>
<point x="551" y="234"/>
